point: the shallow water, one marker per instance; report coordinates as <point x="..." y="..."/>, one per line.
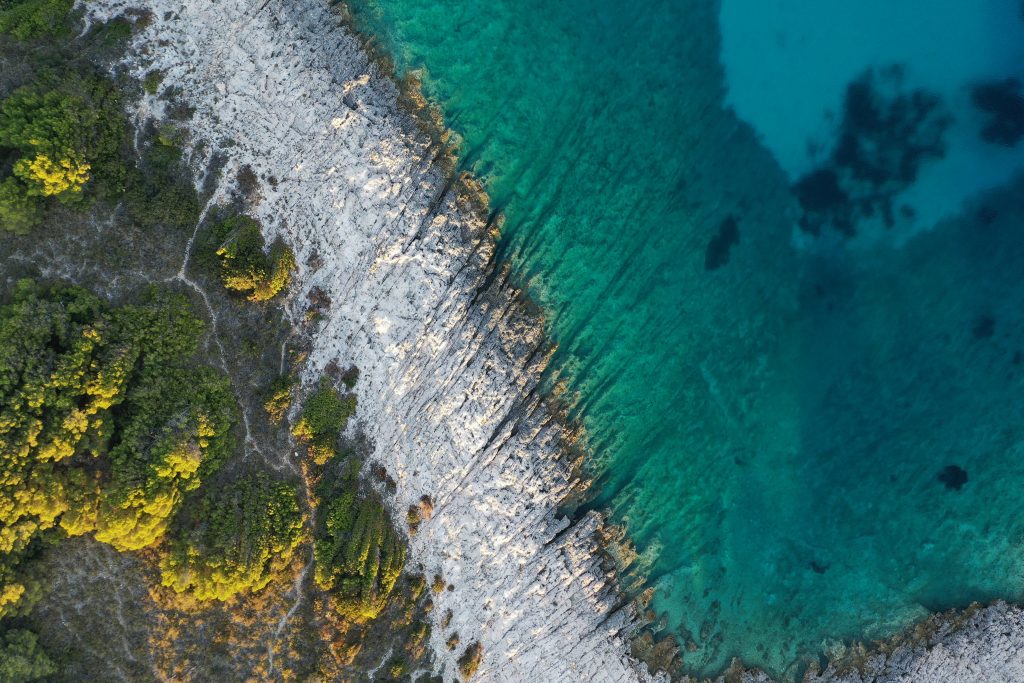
<point x="782" y="416"/>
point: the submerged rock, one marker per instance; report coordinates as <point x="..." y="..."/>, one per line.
<point x="717" y="253"/>
<point x="953" y="476"/>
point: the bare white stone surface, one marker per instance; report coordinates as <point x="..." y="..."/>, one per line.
<point x="448" y="354"/>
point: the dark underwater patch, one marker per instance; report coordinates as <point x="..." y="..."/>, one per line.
<point x="1003" y="101"/>
<point x="984" y="327"/>
<point x="884" y="137"/>
<point x="717" y="253"/>
<point x="953" y="476"/>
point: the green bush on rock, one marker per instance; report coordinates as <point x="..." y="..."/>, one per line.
<point x="246" y="267"/>
<point x="470" y="660"/>
<point x="358" y="554"/>
<point x="324" y="415"/>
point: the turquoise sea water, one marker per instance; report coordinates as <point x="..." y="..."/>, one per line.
<point x="779" y="245"/>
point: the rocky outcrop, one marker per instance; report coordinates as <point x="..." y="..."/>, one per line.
<point x="976" y="645"/>
<point x="449" y="353"/>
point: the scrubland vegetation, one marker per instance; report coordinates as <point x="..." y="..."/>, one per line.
<point x="324" y="415"/>
<point x="120" y="422"/>
<point x="104" y="424"/>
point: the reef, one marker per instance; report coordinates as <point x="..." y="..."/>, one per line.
<point x="717" y="253"/>
<point x="953" y="476"/>
<point x="976" y="644"/>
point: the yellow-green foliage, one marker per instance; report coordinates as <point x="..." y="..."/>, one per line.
<point x="26" y="19"/>
<point x="65" y="132"/>
<point x="18" y="211"/>
<point x="104" y="421"/>
<point x="324" y="415"/>
<point x="240" y="536"/>
<point x="151" y="83"/>
<point x="245" y="266"/>
<point x="280" y="399"/>
<point x="358" y="554"/>
<point x="46" y="177"/>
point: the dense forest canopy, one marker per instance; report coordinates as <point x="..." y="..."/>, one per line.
<point x="61" y="133"/>
<point x="239" y="536"/>
<point x="105" y="422"/>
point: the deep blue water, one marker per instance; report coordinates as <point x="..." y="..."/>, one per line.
<point x="779" y="246"/>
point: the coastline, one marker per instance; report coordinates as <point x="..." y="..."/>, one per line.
<point x="419" y="303"/>
<point x="404" y="251"/>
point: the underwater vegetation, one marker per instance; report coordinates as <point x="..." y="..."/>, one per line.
<point x="884" y="136"/>
<point x="1003" y="102"/>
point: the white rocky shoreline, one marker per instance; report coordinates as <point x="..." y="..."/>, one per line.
<point x="449" y="352"/>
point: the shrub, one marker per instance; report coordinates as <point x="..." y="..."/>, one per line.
<point x="470" y="660"/>
<point x="412" y="518"/>
<point x="324" y="415"/>
<point x="358" y="555"/>
<point x="350" y="377"/>
<point x="246" y="267"/>
<point x="418" y="636"/>
<point x="151" y="83"/>
<point x="398" y="667"/>
<point x="279" y="399"/>
<point x="158" y="193"/>
<point x="417" y="584"/>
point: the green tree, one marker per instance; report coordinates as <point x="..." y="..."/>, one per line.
<point x="240" y="537"/>
<point x="358" y="554"/>
<point x="67" y="132"/>
<point x="26" y="19"/>
<point x="19" y="212"/>
<point x="22" y="659"/>
<point x="324" y="415"/>
<point x="246" y="266"/>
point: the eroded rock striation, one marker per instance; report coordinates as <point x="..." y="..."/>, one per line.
<point x="449" y="352"/>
